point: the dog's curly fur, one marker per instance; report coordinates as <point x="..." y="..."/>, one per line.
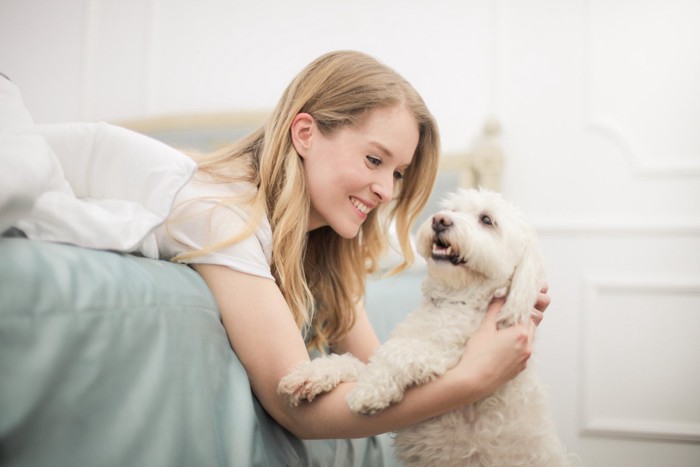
<point x="478" y="247"/>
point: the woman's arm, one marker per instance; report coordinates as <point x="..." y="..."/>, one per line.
<point x="361" y="341"/>
<point x="268" y="343"/>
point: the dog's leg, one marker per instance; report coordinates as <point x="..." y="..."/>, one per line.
<point x="318" y="376"/>
<point x="398" y="364"/>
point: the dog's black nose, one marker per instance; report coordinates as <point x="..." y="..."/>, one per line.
<point x="441" y="223"/>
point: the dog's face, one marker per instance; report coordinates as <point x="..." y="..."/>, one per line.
<point x="476" y="234"/>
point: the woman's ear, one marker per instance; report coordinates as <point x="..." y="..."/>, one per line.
<point x="301" y="130"/>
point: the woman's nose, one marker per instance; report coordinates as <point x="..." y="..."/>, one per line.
<point x="383" y="188"/>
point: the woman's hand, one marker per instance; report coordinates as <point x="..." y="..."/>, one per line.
<point x="543" y="301"/>
<point x="494" y="356"/>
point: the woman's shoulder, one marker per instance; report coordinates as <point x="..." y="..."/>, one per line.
<point x="220" y="202"/>
<point x="209" y="213"/>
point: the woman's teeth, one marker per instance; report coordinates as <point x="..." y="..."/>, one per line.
<point x="363" y="208"/>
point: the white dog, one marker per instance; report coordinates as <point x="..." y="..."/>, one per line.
<point x="478" y="247"/>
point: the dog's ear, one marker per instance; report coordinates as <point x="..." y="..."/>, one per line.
<point x="527" y="280"/>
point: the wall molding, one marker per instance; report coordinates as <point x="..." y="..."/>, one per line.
<point x="641" y="163"/>
<point x="624" y="284"/>
<point x="90" y="34"/>
<point x="643" y="166"/>
<point x="592" y="424"/>
<point x="643" y="228"/>
<point x="642" y="429"/>
<point x="154" y="10"/>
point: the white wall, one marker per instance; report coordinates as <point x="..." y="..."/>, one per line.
<point x="600" y="106"/>
<point x="120" y="59"/>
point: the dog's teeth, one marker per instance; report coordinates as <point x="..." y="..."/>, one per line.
<point x="445" y="251"/>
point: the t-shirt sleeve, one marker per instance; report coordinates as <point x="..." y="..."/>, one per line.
<point x="202" y="222"/>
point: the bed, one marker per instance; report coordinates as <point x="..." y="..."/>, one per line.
<point x="114" y="359"/>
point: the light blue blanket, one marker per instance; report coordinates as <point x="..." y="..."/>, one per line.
<point x="108" y="359"/>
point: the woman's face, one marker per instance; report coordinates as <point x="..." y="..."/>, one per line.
<point x="354" y="170"/>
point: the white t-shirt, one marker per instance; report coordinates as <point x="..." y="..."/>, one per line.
<point x="200" y="219"/>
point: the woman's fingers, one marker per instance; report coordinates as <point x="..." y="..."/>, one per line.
<point x="543" y="301"/>
<point x="490" y="320"/>
<point x="536" y="316"/>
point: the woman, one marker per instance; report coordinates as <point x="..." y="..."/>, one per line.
<point x="284" y="226"/>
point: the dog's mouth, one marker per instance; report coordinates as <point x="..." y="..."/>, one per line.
<point x="443" y="251"/>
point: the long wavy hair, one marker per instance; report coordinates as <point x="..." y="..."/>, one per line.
<point x="320" y="274"/>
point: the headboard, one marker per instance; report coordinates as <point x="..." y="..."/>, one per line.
<point x="201" y="132"/>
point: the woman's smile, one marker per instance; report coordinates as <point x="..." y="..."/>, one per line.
<point x="360" y="206"/>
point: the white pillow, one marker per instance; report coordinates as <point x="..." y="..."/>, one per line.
<point x="25" y="172"/>
<point x="17" y="195"/>
<point x="113" y="188"/>
<point x="12" y="110"/>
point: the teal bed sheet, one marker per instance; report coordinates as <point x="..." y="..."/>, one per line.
<point x="109" y="359"/>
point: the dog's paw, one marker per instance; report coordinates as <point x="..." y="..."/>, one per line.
<point x="508" y="318"/>
<point x="297" y="387"/>
<point x="318" y="376"/>
<point x="508" y="322"/>
<point x="367" y="398"/>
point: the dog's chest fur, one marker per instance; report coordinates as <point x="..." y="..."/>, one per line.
<point x="448" y="318"/>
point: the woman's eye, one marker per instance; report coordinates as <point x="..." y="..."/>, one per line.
<point x="486" y="220"/>
<point x="398" y="175"/>
<point x="374" y="160"/>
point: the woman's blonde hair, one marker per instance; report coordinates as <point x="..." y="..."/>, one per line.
<point x="322" y="275"/>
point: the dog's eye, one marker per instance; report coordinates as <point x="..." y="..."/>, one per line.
<point x="486" y="220"/>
